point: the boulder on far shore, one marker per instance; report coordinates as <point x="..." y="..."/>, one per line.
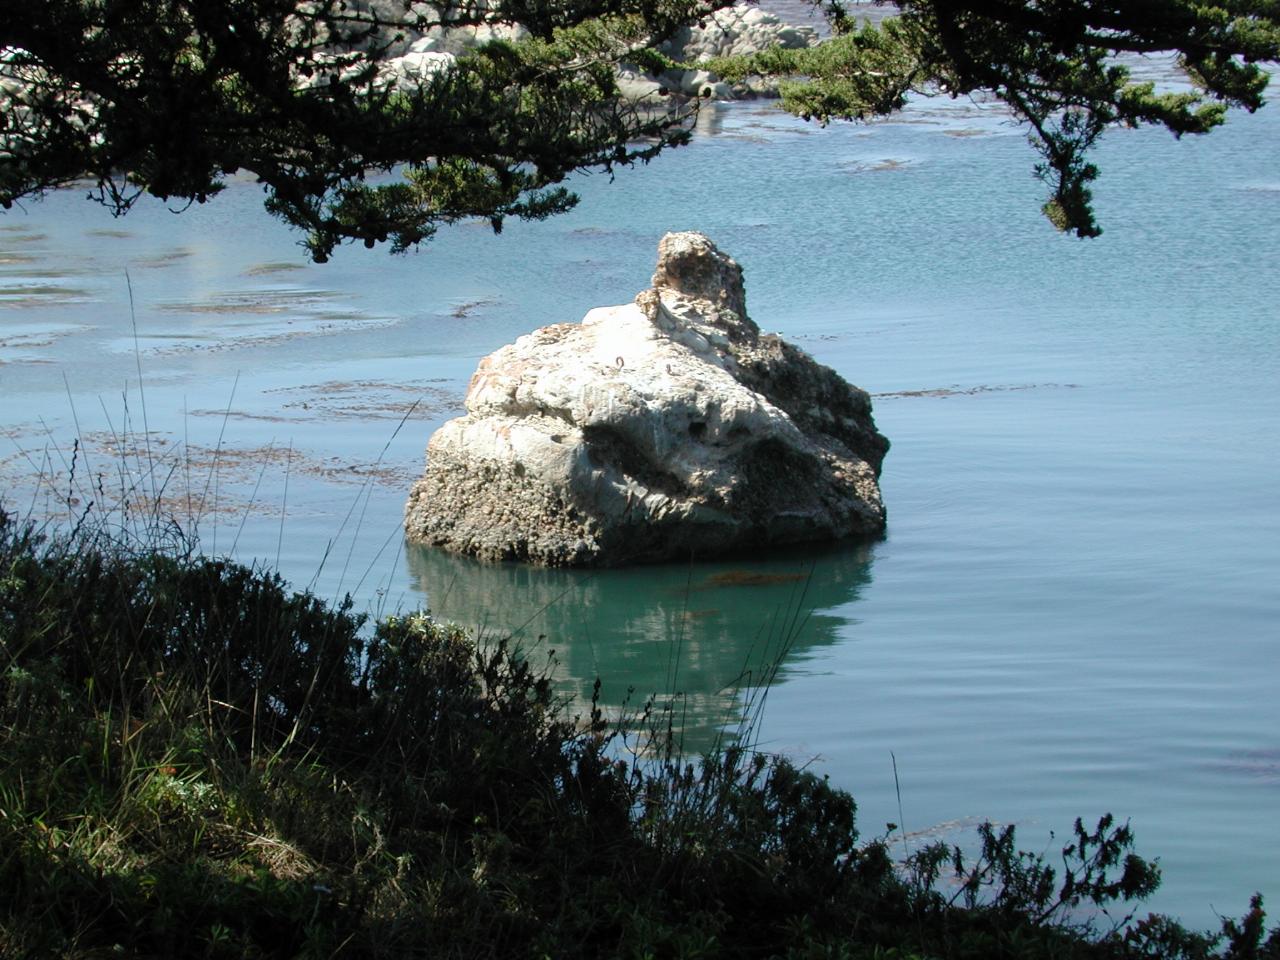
<point x="741" y="28"/>
<point x="661" y="429"/>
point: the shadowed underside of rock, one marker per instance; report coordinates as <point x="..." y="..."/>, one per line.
<point x="665" y="428"/>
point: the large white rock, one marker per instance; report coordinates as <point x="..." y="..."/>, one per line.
<point x="659" y="429"/>
<point x="740" y="29"/>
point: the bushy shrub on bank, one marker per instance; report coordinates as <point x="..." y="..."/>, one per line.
<point x="197" y="762"/>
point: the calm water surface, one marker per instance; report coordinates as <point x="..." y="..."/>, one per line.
<point x="1076" y="607"/>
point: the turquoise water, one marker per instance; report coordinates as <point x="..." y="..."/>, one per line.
<point x="1075" y="607"/>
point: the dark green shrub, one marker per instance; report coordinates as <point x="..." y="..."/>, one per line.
<point x="195" y="761"/>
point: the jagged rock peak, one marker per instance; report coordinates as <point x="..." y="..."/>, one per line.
<point x="690" y="265"/>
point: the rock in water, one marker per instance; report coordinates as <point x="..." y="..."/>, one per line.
<point x="656" y="430"/>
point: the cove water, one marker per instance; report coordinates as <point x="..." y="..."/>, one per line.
<point x="1076" y="608"/>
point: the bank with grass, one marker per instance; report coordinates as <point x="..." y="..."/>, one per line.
<point x="197" y="761"/>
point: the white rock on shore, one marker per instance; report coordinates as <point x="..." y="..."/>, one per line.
<point x="658" y="429"/>
<point x="739" y="29"/>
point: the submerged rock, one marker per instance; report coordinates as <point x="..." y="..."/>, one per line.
<point x="664" y="428"/>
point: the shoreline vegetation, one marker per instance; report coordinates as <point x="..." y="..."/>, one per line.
<point x="197" y="761"/>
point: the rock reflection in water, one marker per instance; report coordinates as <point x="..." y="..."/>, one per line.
<point x="706" y="632"/>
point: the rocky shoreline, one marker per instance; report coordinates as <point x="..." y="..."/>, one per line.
<point x="740" y="29"/>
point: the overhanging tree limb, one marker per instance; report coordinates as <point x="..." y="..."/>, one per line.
<point x="1058" y="64"/>
<point x="168" y="97"/>
<point x="354" y="141"/>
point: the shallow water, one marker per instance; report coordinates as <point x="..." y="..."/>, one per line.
<point x="1075" y="607"/>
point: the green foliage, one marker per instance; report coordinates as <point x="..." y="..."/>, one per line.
<point x="1245" y="939"/>
<point x="856" y="75"/>
<point x="195" y="761"/>
<point x="1009" y="881"/>
<point x="1054" y="64"/>
<point x="168" y="97"/>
